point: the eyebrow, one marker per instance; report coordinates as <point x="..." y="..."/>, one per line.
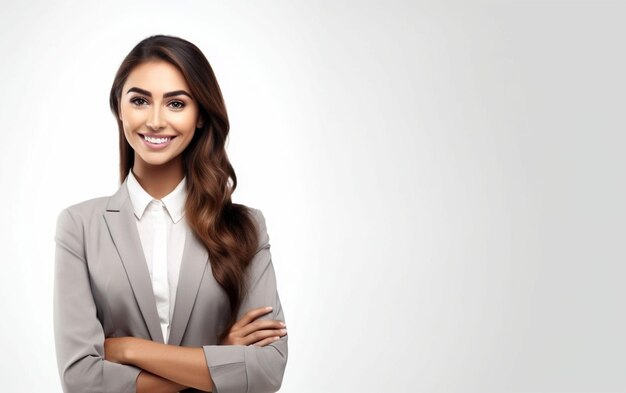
<point x="165" y="95"/>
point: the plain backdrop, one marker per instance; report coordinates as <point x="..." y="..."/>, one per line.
<point x="443" y="182"/>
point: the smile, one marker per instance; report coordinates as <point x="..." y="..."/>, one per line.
<point x="157" y="143"/>
<point x="157" y="140"/>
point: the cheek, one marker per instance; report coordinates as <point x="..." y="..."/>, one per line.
<point x="184" y="124"/>
<point x="187" y="138"/>
<point x="129" y="125"/>
<point x="184" y="121"/>
<point x="131" y="119"/>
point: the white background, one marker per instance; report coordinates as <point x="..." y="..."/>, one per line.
<point x="443" y="183"/>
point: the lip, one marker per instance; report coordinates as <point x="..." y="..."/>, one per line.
<point x="151" y="135"/>
<point x="157" y="146"/>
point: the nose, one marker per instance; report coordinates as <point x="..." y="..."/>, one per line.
<point x="155" y="118"/>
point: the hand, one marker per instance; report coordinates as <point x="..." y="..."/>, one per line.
<point x="259" y="333"/>
<point x="115" y="349"/>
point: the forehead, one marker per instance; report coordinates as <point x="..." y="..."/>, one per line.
<point x="156" y="76"/>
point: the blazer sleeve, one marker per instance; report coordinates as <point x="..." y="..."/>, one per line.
<point x="252" y="369"/>
<point x="79" y="337"/>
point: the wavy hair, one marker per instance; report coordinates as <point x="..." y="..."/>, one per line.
<point x="226" y="229"/>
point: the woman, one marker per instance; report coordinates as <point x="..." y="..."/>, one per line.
<point x="165" y="285"/>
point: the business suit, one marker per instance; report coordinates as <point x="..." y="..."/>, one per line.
<point x="102" y="288"/>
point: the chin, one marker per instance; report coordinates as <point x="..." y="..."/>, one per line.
<point x="156" y="160"/>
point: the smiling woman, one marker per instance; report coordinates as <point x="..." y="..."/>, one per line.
<point x="158" y="114"/>
<point x="167" y="285"/>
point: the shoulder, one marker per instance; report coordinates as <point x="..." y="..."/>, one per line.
<point x="256" y="215"/>
<point x="74" y="219"/>
<point x="258" y="218"/>
<point x="85" y="210"/>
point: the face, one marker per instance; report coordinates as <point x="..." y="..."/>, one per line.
<point x="158" y="113"/>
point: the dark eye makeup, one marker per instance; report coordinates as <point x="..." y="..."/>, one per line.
<point x="138" y="101"/>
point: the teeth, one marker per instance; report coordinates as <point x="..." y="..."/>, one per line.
<point x="156" y="140"/>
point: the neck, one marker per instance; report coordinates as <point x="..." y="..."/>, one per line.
<point x="158" y="180"/>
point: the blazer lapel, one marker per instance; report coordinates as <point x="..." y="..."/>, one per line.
<point x="120" y="220"/>
<point x="192" y="268"/>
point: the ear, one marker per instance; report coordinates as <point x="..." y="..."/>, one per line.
<point x="200" y="123"/>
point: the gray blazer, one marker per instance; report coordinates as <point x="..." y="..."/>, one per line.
<point x="102" y="288"/>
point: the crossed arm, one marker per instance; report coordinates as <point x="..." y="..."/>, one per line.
<point x="165" y="368"/>
<point x="142" y="365"/>
<point x="171" y="368"/>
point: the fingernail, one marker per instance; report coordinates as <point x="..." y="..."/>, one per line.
<point x="268" y="308"/>
<point x="283" y="330"/>
<point x="282" y="324"/>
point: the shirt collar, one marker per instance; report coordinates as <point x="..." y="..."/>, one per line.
<point x="174" y="201"/>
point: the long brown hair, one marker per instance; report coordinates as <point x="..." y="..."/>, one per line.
<point x="225" y="228"/>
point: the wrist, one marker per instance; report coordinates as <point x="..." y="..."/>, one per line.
<point x="128" y="351"/>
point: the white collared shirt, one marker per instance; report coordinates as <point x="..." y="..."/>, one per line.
<point x="149" y="212"/>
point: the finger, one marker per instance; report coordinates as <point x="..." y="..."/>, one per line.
<point x="268" y="340"/>
<point x="260" y="324"/>
<point x="259" y="335"/>
<point x="250" y="316"/>
<point x="263" y="334"/>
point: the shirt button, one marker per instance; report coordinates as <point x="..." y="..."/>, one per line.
<point x="156" y="205"/>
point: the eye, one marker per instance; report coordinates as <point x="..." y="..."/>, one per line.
<point x="178" y="104"/>
<point x="138" y="101"/>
